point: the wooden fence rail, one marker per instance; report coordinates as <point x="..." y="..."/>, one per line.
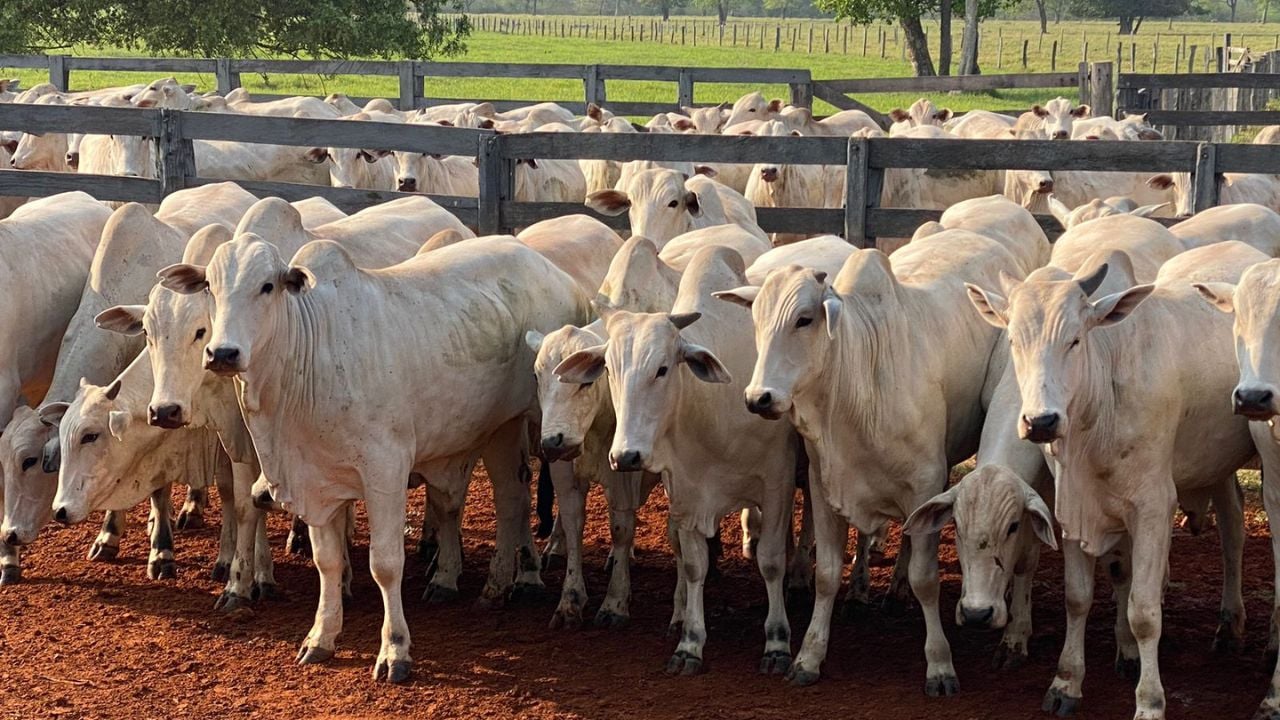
<point x="1204" y="106"/>
<point x="495" y="210"/>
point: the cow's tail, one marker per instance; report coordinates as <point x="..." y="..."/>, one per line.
<point x="546" y="499"/>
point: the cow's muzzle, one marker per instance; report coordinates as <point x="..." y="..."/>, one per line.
<point x="169" y="417"/>
<point x="1253" y="403"/>
<point x="407" y="185"/>
<point x="975" y="618"/>
<point x="626" y="460"/>
<point x="222" y="360"/>
<point x="555" y="448"/>
<point x="1041" y="428"/>
<point x="769" y="174"/>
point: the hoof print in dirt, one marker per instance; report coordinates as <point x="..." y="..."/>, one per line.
<point x="439" y="594"/>
<point x="162" y="570"/>
<point x="1128" y="668"/>
<point x="397" y="672"/>
<point x="1059" y="704"/>
<point x="799" y="677"/>
<point x="189" y="521"/>
<point x="606" y="619"/>
<point x="101" y="552"/>
<point x="313" y="655"/>
<point x="10" y="575"/>
<point x="775" y="663"/>
<point x="682" y="663"/>
<point x="941" y="686"/>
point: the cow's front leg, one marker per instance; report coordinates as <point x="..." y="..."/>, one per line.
<point x="246" y="518"/>
<point x="940" y="677"/>
<point x="106" y="546"/>
<point x="1270" y="708"/>
<point x="694" y="562"/>
<point x="799" y="582"/>
<point x="858" y="600"/>
<point x="10" y="564"/>
<point x="506" y="460"/>
<point x="1151" y="537"/>
<point x="191" y="516"/>
<point x="328" y="546"/>
<point x="572" y="496"/>
<point x="830" y="533"/>
<point x="386" y="564"/>
<point x="1064" y="694"/>
<point x="1229" y="507"/>
<point x="1012" y="651"/>
<point x="1119" y="565"/>
<point x="161" y="565"/>
<point x="771" y="556"/>
<point x="680" y="598"/>
<point x="224" y="476"/>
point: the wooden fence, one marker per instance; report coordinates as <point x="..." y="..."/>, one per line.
<point x="1204" y="106"/>
<point x="495" y="210"/>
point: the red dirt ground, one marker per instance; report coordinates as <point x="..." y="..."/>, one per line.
<point x="86" y="640"/>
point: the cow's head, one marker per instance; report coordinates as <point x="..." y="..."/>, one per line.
<point x="644" y="353"/>
<point x="657" y="201"/>
<point x="796" y="315"/>
<point x="29" y="482"/>
<point x="92" y="469"/>
<point x="164" y="93"/>
<point x="753" y="106"/>
<point x="1255" y="300"/>
<point x="1059" y="115"/>
<point x="249" y="283"/>
<point x="568" y="409"/>
<point x="996" y="513"/>
<point x="1049" y="318"/>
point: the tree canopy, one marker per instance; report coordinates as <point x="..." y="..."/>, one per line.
<point x="1130" y="12"/>
<point x="314" y="28"/>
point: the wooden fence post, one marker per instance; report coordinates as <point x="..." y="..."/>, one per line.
<point x="593" y="85"/>
<point x="856" y="199"/>
<point x="1205" y="178"/>
<point x="684" y="88"/>
<point x="1101" y="96"/>
<point x="496" y="181"/>
<point x="410" y="85"/>
<point x="175" y="155"/>
<point x="228" y="79"/>
<point x="59" y="73"/>
<point x="802" y="93"/>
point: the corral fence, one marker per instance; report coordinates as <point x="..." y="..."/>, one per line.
<point x="413" y="75"/>
<point x="495" y="210"/>
<point x="1205" y="106"/>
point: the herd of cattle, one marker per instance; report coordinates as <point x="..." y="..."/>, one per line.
<point x="301" y="359"/>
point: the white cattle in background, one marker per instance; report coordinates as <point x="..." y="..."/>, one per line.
<point x="662" y="204"/>
<point x="358" y="168"/>
<point x="1053" y="120"/>
<point x="780" y="185"/>
<point x="922" y="113"/>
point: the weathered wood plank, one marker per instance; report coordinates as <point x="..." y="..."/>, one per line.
<point x="843" y="102"/>
<point x="347" y="199"/>
<point x="1213" y="117"/>
<point x="496" y="175"/>
<point x="79" y="118"/>
<point x="964" y="83"/>
<point x="1032" y="155"/>
<point x="156" y="65"/>
<point x="855" y="193"/>
<point x="805" y="220"/>
<point x="1264" y="81"/>
<point x="103" y="187"/>
<point x="516" y="215"/>
<point x="317" y="67"/>
<point x="1232" y="157"/>
<point x="507" y="70"/>
<point x="700" y="148"/>
<point x="334" y="133"/>
<point x="903" y="222"/>
<point x="24" y="61"/>
<point x="1204" y="194"/>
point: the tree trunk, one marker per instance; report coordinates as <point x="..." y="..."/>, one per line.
<point x="944" y="40"/>
<point x="1265" y="7"/>
<point x="917" y="46"/>
<point x="1126" y="25"/>
<point x="722" y="10"/>
<point x="1232" y="5"/>
<point x="1044" y="17"/>
<point x="969" y="43"/>
<point x="666" y="11"/>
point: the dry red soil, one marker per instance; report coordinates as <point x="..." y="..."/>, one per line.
<point x="89" y="640"/>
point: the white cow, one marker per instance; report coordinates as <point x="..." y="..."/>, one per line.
<point x="980" y="124"/>
<point x="922" y="113"/>
<point x="1053" y="120"/>
<point x="307" y="456"/>
<point x="662" y="204"/>
<point x="751" y="108"/>
<point x="778" y="185"/>
<point x="354" y="168"/>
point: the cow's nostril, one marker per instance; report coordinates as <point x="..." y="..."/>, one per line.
<point x="977" y="618"/>
<point x="12" y="538"/>
<point x="60" y="515"/>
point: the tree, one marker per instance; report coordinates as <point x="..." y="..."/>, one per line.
<point x="1044" y="17"/>
<point x="969" y="42"/>
<point x="907" y="13"/>
<point x="313" y="28"/>
<point x="1130" y="13"/>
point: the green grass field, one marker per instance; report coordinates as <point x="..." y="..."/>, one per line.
<point x="1002" y="50"/>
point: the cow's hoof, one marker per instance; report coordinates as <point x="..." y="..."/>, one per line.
<point x="229" y="602"/>
<point x="313" y="655"/>
<point x="265" y="591"/>
<point x="941" y="686"/>
<point x="524" y="592"/>
<point x="10" y="575"/>
<point x="189" y="520"/>
<point x="300" y="544"/>
<point x="1008" y="658"/>
<point x="1266" y="713"/>
<point x="397" y="671"/>
<point x="439" y="594"/>
<point x="1059" y="703"/>
<point x="775" y="663"/>
<point x="1128" y="668"/>
<point x="220" y="572"/>
<point x="1226" y="642"/>
<point x="683" y="663"/>
<point x="162" y="570"/>
<point x="569" y="618"/>
<point x="798" y="676"/>
<point x="608" y="619"/>
<point x="102" y="552"/>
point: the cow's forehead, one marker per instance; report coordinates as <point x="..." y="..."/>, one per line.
<point x="640" y="334"/>
<point x="787" y="286"/>
<point x="992" y="493"/>
<point x="1053" y="305"/>
<point x="1058" y="106"/>
<point x="23" y="430"/>
<point x="243" y="256"/>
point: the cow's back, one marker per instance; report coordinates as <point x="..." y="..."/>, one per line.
<point x="189" y="210"/>
<point x="1147" y="243"/>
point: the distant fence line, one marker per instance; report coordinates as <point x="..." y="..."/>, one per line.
<point x="495" y="209"/>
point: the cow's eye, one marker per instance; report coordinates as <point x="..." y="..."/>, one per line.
<point x="1013" y="528"/>
<point x="662" y="371"/>
<point x="1073" y="344"/>
<point x="28" y="464"/>
<point x="267" y="288"/>
<point x="751" y="110"/>
<point x="200" y="334"/>
<point x="804" y="322"/>
<point x="88" y="438"/>
<point x="673" y="203"/>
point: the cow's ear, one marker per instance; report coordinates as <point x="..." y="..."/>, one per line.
<point x="123" y="319"/>
<point x="899" y="115"/>
<point x="534" y="339"/>
<point x="691" y="203"/>
<point x="113" y="390"/>
<point x="933" y="515"/>
<point x="831" y="307"/>
<point x="183" y="278"/>
<point x="1115" y="307"/>
<point x="375" y="155"/>
<point x="297" y="279"/>
<point x="683" y="124"/>
<point x="743" y="296"/>
<point x="1039" y="111"/>
<point x="582" y="367"/>
<point x="1219" y="294"/>
<point x="775" y="105"/>
<point x="704" y="364"/>
<point x="1082" y="111"/>
<point x="118" y="423"/>
<point x="705" y="170"/>
<point x="593" y="112"/>
<point x="51" y="413"/>
<point x="992" y="307"/>
<point x="1041" y="518"/>
<point x="943" y="115"/>
<point x="317" y="155"/>
<point x="609" y="202"/>
<point x="1163" y="181"/>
